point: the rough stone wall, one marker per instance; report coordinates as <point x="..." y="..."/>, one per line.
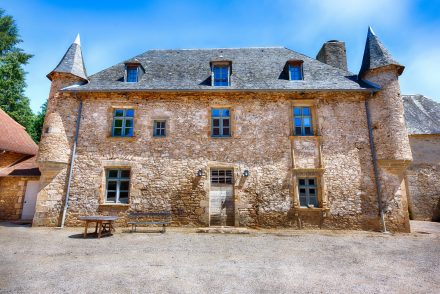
<point x="423" y="177"/>
<point x="163" y="170"/>
<point x="12" y="191"/>
<point x="334" y="54"/>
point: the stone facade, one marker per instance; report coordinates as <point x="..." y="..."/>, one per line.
<point x="164" y="171"/>
<point x="424" y="177"/>
<point x="12" y="190"/>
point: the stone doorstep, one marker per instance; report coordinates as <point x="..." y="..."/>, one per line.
<point x="223" y="230"/>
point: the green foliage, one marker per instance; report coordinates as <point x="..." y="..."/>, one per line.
<point x="38" y="122"/>
<point x="12" y="78"/>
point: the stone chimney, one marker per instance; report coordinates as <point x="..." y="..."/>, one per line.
<point x="333" y="53"/>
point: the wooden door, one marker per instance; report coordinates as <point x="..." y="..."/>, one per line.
<point x="30" y="199"/>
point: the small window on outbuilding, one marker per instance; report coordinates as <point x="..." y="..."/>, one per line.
<point x="295" y="70"/>
<point x="221" y="73"/>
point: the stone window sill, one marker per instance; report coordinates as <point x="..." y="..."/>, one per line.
<point x="121" y="205"/>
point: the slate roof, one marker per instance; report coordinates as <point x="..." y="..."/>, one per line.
<point x="422" y="114"/>
<point x="72" y="62"/>
<point x="376" y="55"/>
<point x="13" y="136"/>
<point x="252" y="69"/>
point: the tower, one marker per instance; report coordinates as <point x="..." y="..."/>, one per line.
<point x="57" y="135"/>
<point x="393" y="152"/>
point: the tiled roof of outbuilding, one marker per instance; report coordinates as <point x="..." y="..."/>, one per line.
<point x="26" y="167"/>
<point x="72" y="62"/>
<point x="252" y="69"/>
<point x="376" y="55"/>
<point x="13" y="136"/>
<point x="422" y="115"/>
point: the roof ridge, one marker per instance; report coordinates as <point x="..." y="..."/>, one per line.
<point x="224" y="48"/>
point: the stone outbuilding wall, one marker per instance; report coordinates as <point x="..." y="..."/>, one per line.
<point x="423" y="177"/>
<point x="12" y="191"/>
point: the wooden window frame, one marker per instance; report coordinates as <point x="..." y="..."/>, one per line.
<point x="155" y="128"/>
<point x="226" y="178"/>
<point x="302" y="117"/>
<point x="123" y="118"/>
<point x="118" y="179"/>
<point x="307" y="187"/>
<point x="299" y="65"/>
<point x="221" y="123"/>
<point x="221" y="64"/>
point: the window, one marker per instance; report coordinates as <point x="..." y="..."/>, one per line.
<point x="123" y="123"/>
<point x="159" y="128"/>
<point x="220" y="122"/>
<point x="302" y="121"/>
<point x="308" y="194"/>
<point x="221" y="176"/>
<point x="295" y="72"/>
<point x="220" y="75"/>
<point x="132" y="74"/>
<point x="118" y="186"/>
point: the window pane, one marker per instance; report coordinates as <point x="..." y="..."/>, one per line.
<point x="307" y="121"/>
<point x="118" y="123"/>
<point x="117" y="132"/>
<point x="297" y="122"/>
<point x="302" y="201"/>
<point x="313" y="200"/>
<point x="297" y="111"/>
<point x="308" y="131"/>
<point x="216" y="112"/>
<point x="112" y="173"/>
<point x="111" y="185"/>
<point x="216" y="122"/>
<point x="129" y="132"/>
<point x="132" y="74"/>
<point x="123" y="197"/>
<point x="302" y="192"/>
<point x="128" y="123"/>
<point x="311" y="182"/>
<point x="298" y="131"/>
<point x="312" y="192"/>
<point x="306" y="111"/>
<point x="129" y="112"/>
<point x="226" y="132"/>
<point x="226" y="122"/>
<point x="302" y="182"/>
<point x="216" y="131"/>
<point x="125" y="174"/>
<point x="124" y="186"/>
<point x="111" y="196"/>
<point x="119" y="112"/>
<point x="225" y="112"/>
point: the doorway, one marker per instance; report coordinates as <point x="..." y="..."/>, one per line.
<point x="30" y="199"/>
<point x="221" y="198"/>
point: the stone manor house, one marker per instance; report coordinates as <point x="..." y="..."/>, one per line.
<point x="237" y="137"/>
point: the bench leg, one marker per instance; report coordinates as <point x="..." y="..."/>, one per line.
<point x="85" y="229"/>
<point x="163" y="229"/>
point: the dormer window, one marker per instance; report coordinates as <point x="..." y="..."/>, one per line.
<point x="220" y="73"/>
<point x="133" y="72"/>
<point x="295" y="70"/>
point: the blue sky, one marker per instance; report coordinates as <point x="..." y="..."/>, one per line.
<point x="112" y="31"/>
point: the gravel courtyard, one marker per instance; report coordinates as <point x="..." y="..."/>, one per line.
<point x="42" y="260"/>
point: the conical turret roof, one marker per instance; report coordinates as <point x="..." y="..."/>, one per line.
<point x="376" y="55"/>
<point x="72" y="62"/>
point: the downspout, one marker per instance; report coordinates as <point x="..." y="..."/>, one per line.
<point x="72" y="163"/>
<point x="376" y="171"/>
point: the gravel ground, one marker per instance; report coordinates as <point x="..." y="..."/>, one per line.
<point x="42" y="260"/>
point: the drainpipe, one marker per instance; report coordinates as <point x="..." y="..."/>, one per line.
<point x="72" y="164"/>
<point x="376" y="171"/>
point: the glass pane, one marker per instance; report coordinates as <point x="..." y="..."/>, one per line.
<point x="216" y="112"/>
<point x="225" y="112"/>
<point x="307" y="121"/>
<point x="129" y="112"/>
<point x="117" y="131"/>
<point x="129" y="132"/>
<point x="111" y="185"/>
<point x="313" y="200"/>
<point x="216" y="131"/>
<point x="306" y="111"/>
<point x="216" y="122"/>
<point x="226" y="132"/>
<point x="129" y="123"/>
<point x="123" y="197"/>
<point x="132" y="74"/>
<point x="311" y="182"/>
<point x="297" y="111"/>
<point x="111" y="196"/>
<point x="119" y="112"/>
<point x="302" y="192"/>
<point x="125" y="174"/>
<point x="312" y="192"/>
<point x="298" y="131"/>
<point x="302" y="182"/>
<point x="297" y="122"/>
<point x="112" y="173"/>
<point x="118" y="123"/>
<point x="124" y="186"/>
<point x="302" y="201"/>
<point x="308" y="131"/>
<point x="226" y="122"/>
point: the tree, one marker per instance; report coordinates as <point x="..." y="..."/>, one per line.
<point x="12" y="76"/>
<point x="39" y="121"/>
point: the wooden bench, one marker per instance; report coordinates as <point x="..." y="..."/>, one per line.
<point x="149" y="219"/>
